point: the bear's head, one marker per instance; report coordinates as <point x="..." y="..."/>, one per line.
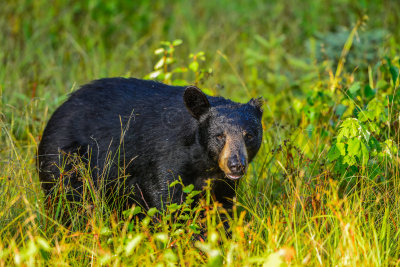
<point x="230" y="132"/>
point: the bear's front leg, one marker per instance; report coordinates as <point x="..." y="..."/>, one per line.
<point x="224" y="191"/>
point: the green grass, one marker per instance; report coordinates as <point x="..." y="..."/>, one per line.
<point x="302" y="202"/>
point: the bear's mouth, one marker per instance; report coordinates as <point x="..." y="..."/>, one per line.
<point x="234" y="176"/>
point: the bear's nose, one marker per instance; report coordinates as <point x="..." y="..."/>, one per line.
<point x="237" y="166"/>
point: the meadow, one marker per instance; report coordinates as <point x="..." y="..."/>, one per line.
<point x="323" y="190"/>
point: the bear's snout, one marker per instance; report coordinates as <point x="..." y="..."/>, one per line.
<point x="233" y="158"/>
<point x="237" y="165"/>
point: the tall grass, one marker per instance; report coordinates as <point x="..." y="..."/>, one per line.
<point x="294" y="206"/>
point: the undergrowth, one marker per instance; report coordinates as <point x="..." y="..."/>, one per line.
<point x="324" y="187"/>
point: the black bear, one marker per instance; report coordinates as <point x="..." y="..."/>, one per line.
<point x="138" y="136"/>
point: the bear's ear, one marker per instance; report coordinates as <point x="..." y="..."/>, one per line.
<point x="196" y="101"/>
<point x="257" y="103"/>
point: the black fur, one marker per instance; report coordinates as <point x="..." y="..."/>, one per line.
<point x="154" y="133"/>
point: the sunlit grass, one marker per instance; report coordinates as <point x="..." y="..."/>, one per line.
<point x="292" y="207"/>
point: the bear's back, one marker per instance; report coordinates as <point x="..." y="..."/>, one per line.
<point x="127" y="91"/>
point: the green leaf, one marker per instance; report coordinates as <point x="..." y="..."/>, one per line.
<point x="363" y="115"/>
<point x="153" y="75"/>
<point x="341" y="148"/>
<point x="194" y="226"/>
<point x="105" y="231"/>
<point x="151" y="212"/>
<point x="375" y="108"/>
<point x="340" y="109"/>
<point x="179" y="70"/>
<point x="173" y="207"/>
<point x="340" y="135"/>
<point x="340" y="166"/>
<point x="208" y="91"/>
<point x="168" y="76"/>
<point x="174" y="183"/>
<point x="160" y="63"/>
<point x="382" y="85"/>
<point x="165" y="43"/>
<point x="201" y="56"/>
<point x="369" y="92"/>
<point x="349" y="128"/>
<point x="179" y="82"/>
<point x="364" y="154"/>
<point x="170" y="49"/>
<point x="374" y="128"/>
<point x="354" y="88"/>
<point x="136" y="210"/>
<point x="163" y="237"/>
<point x="354" y="147"/>
<point x="169" y="60"/>
<point x="159" y="51"/>
<point x="374" y="144"/>
<point x="365" y="133"/>
<point x="184" y="217"/>
<point x="394" y="71"/>
<point x="177" y="42"/>
<point x="43" y="244"/>
<point x="349" y="160"/>
<point x="194" y="193"/>
<point x="188" y="189"/>
<point x="194" y="66"/>
<point x="189" y="201"/>
<point x="353" y="130"/>
<point x="333" y="153"/>
<point x="132" y="244"/>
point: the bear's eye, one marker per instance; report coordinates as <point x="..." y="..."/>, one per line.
<point x="248" y="136"/>
<point x="220" y="137"/>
